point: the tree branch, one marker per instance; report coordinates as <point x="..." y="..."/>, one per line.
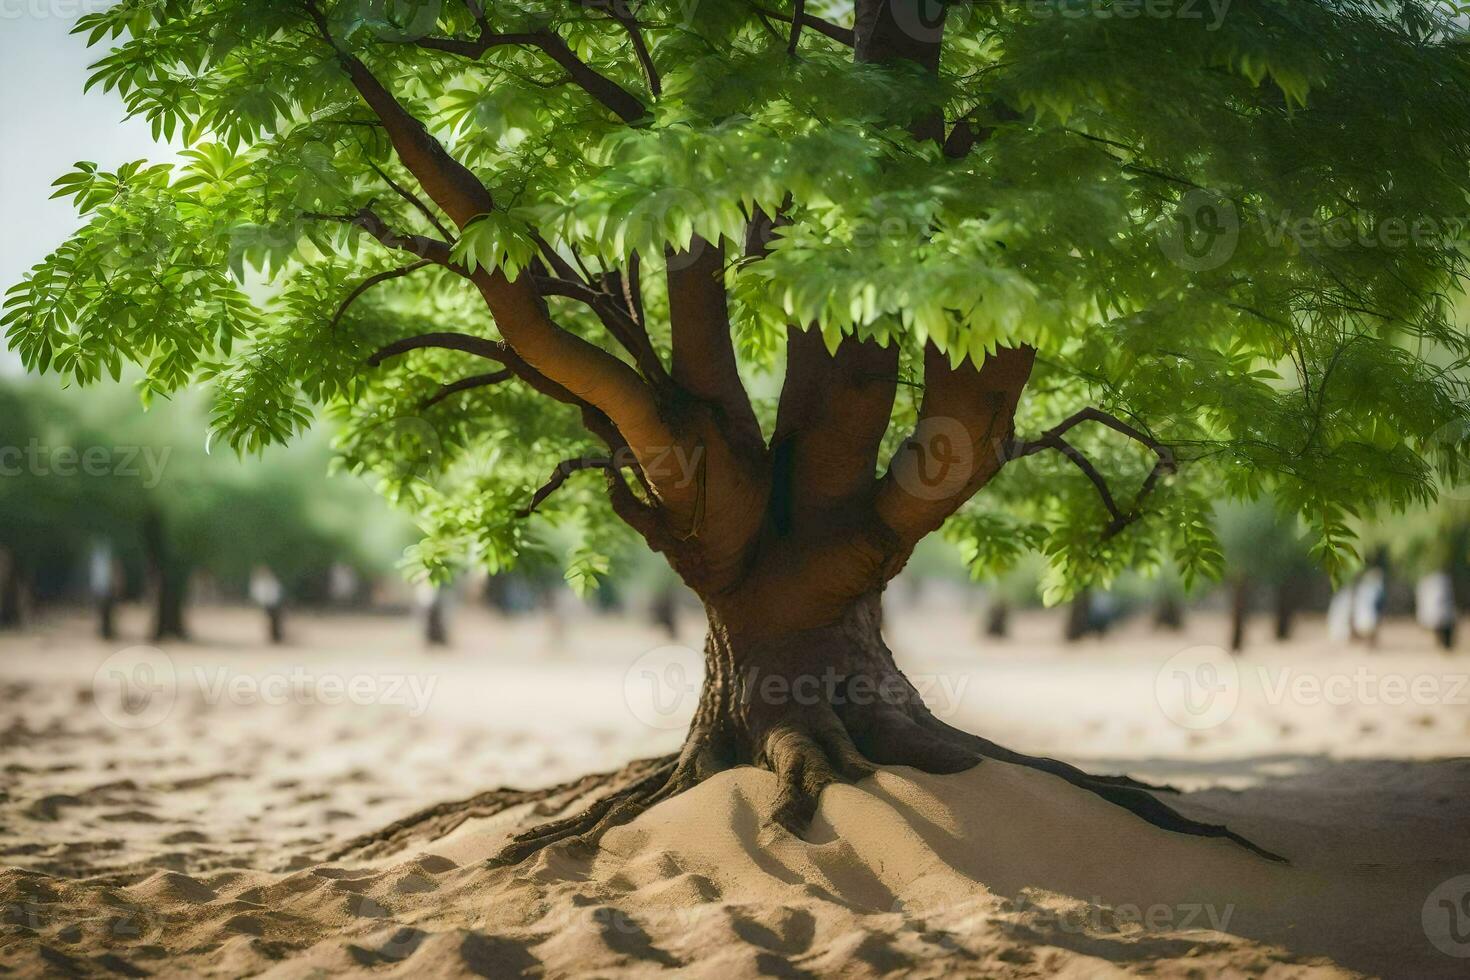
<point x="1052" y="439"/>
<point x="838" y="33"/>
<point x="469" y="344"/>
<point x="624" y="104"/>
<point x="640" y="47"/>
<point x="563" y="470"/>
<point x="429" y="249"/>
<point x="965" y="426"/>
<point x="704" y="354"/>
<point x="624" y="329"/>
<point x="830" y="422"/>
<point x="466" y="384"/>
<point x="414" y="200"/>
<point x="579" y="372"/>
<point x="372" y="281"/>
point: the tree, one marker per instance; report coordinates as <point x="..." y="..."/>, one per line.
<point x="559" y="239"/>
<point x="65" y="489"/>
<point x="1263" y="548"/>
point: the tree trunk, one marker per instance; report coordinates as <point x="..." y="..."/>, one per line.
<point x="1079" y="617"/>
<point x="816" y="707"/>
<point x="168" y="612"/>
<point x="1239" y="612"/>
<point x="1286" y="602"/>
<point x="1169" y="615"/>
<point x="170" y="581"/>
<point x="11" y="614"/>
<point x="436" y="630"/>
<point x="998" y="620"/>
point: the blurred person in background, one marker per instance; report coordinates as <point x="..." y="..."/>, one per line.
<point x="1434" y="607"/>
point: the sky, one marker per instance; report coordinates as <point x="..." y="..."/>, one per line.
<point x="47" y="124"/>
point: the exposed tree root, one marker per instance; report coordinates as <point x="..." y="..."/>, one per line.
<point x="810" y="729"/>
<point x="806" y="756"/>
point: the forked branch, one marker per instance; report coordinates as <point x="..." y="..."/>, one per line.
<point x="1053" y="438"/>
<point x="563" y="471"/>
<point x="467" y="384"/>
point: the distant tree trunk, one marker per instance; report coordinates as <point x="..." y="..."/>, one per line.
<point x="1170" y="614"/>
<point x="436" y="627"/>
<point x="1286" y="603"/>
<point x="11" y="614"/>
<point x="1079" y="617"/>
<point x="170" y="581"/>
<point x="1239" y="613"/>
<point x="168" y="613"/>
<point x="998" y="620"/>
<point x="664" y="611"/>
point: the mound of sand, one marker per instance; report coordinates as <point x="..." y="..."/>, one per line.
<point x="1000" y="871"/>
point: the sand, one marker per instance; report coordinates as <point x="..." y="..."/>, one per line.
<point x="198" y="844"/>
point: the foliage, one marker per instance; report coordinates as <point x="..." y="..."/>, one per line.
<point x="1243" y="236"/>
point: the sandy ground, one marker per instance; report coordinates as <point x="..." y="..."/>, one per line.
<point x="169" y="812"/>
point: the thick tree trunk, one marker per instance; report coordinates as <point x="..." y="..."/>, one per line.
<point x="815" y="707"/>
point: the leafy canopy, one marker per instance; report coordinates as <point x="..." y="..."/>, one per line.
<point x="1240" y="230"/>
